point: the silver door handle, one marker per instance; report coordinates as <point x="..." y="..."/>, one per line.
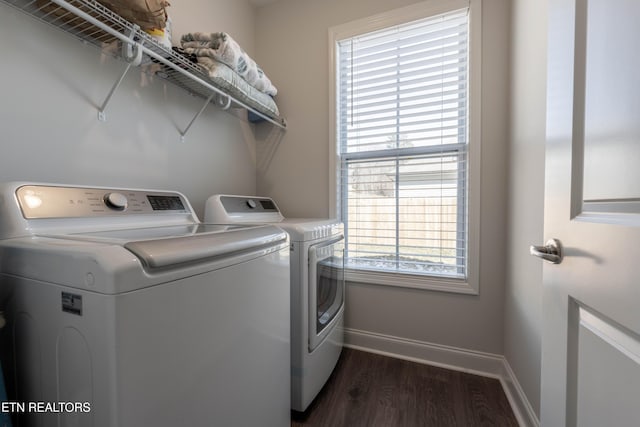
<point x="550" y="252"/>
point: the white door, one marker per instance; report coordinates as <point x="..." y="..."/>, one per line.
<point x="591" y="330"/>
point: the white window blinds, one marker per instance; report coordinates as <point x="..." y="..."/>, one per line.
<point x="402" y="133"/>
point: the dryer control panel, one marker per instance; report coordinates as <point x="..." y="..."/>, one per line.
<point x="225" y="209"/>
<point x="237" y="204"/>
<point x="44" y="201"/>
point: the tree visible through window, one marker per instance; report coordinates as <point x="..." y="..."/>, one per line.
<point x="402" y="133"/>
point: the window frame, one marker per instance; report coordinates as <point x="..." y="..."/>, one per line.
<point x="424" y="9"/>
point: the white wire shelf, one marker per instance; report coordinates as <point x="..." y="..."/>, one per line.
<point x="93" y="23"/>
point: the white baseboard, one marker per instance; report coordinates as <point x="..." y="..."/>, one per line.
<point x="521" y="406"/>
<point x="474" y="362"/>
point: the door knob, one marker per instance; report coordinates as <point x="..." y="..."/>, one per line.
<point x="550" y="252"/>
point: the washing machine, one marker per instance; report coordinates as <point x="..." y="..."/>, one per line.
<point x="124" y="310"/>
<point x="317" y="287"/>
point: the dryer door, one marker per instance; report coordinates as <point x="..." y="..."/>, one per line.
<point x="326" y="288"/>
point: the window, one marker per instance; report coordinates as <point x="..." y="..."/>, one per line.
<point x="402" y="148"/>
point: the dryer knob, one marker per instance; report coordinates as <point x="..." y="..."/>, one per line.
<point x="117" y="201"/>
<point x="251" y="203"/>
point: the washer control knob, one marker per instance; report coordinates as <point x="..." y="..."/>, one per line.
<point x="116" y="201"/>
<point x="251" y="203"/>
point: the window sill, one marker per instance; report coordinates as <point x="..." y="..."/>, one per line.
<point x="413" y="281"/>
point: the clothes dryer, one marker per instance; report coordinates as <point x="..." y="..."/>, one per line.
<point x="122" y="300"/>
<point x="317" y="287"/>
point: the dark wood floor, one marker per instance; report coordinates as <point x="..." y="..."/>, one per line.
<point x="371" y="390"/>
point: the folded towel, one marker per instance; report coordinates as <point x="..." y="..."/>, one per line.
<point x="231" y="82"/>
<point x="223" y="48"/>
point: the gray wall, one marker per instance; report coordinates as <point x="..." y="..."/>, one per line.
<point x="51" y="85"/>
<point x="523" y="293"/>
<point x="292" y="45"/>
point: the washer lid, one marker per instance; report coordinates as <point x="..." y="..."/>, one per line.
<point x="113" y="266"/>
<point x="166" y="246"/>
<point x="124" y="235"/>
<point x="179" y="250"/>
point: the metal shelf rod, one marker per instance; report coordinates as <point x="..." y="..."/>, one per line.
<point x="132" y="53"/>
<point x="102" y="115"/>
<point x="184" y="133"/>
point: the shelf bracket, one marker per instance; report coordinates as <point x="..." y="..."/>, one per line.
<point x="132" y="50"/>
<point x="184" y="133"/>
<point x="132" y="54"/>
<point x="223" y="101"/>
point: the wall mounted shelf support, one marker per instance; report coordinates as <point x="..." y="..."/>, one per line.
<point x="102" y="115"/>
<point x="91" y="22"/>
<point x="184" y="132"/>
<point x="132" y="54"/>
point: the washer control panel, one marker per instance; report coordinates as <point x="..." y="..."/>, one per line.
<point x="43" y="201"/>
<point x="117" y="201"/>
